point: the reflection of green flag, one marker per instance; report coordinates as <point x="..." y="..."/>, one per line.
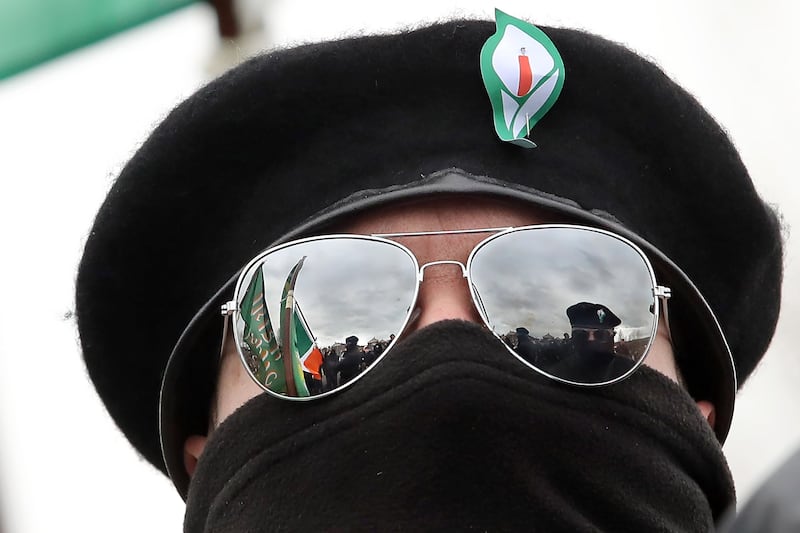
<point x="260" y="339"/>
<point x="291" y="362"/>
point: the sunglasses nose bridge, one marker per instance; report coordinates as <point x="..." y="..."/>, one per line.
<point x="421" y="275"/>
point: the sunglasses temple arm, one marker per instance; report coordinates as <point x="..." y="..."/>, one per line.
<point x="225" y="321"/>
<point x="412" y="318"/>
<point x="665" y="306"/>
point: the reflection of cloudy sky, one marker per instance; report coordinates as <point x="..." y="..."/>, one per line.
<point x="345" y="287"/>
<point x="560" y="268"/>
<point x="357" y="287"/>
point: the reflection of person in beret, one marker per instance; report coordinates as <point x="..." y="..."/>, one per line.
<point x="588" y="354"/>
<point x="594" y="358"/>
<point x="351" y="360"/>
<point x="593" y="326"/>
<point x="525" y="346"/>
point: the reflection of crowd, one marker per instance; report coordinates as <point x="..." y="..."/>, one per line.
<point x="340" y="366"/>
<point x="540" y="352"/>
<point x="588" y="353"/>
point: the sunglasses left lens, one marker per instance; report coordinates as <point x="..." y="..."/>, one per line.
<point x="316" y="314"/>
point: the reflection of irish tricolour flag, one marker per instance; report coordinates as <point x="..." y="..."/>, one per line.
<point x="310" y="355"/>
<point x="523" y="74"/>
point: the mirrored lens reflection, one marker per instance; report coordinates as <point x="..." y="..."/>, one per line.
<point x="574" y="303"/>
<point x="315" y="315"/>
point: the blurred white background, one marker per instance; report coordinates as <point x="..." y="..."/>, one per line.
<point x="67" y="127"/>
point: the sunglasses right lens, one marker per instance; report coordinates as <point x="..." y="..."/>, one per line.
<point x="315" y="314"/>
<point x="574" y="303"/>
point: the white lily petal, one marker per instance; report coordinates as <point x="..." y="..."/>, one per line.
<point x="534" y="103"/>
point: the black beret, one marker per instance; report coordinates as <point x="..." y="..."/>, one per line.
<point x="293" y="140"/>
<point x="589" y="315"/>
<point x="352" y="339"/>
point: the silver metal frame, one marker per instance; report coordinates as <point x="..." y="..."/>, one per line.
<point x="660" y="293"/>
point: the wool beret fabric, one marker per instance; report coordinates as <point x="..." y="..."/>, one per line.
<point x="590" y="315"/>
<point x="264" y="149"/>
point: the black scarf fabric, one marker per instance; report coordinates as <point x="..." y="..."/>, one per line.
<point x="451" y="433"/>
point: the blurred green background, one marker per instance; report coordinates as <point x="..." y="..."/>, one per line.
<point x="33" y="31"/>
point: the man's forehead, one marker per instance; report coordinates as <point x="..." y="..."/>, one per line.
<point x="446" y="212"/>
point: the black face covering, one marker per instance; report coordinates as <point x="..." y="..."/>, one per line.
<point x="451" y="433"/>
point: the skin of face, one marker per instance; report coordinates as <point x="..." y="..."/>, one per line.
<point x="443" y="294"/>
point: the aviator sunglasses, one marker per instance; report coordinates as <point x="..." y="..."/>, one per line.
<point x="577" y="304"/>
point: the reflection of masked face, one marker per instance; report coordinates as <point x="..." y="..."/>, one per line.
<point x="451" y="433"/>
<point x="593" y="340"/>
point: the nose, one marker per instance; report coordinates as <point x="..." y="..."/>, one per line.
<point x="444" y="294"/>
